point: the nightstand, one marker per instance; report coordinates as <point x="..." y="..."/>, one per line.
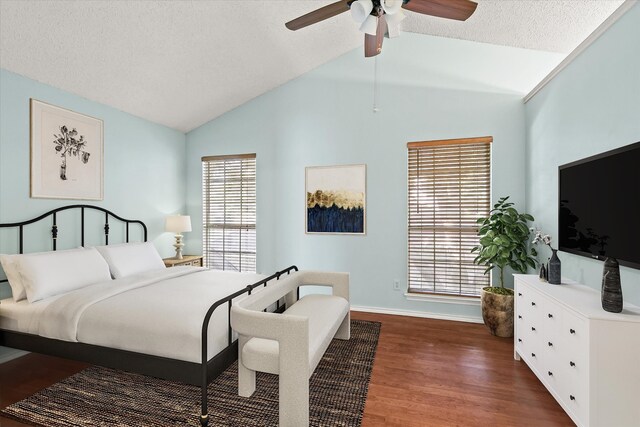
<point x="192" y="260"/>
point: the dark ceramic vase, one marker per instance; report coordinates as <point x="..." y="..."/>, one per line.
<point x="611" y="288"/>
<point x="543" y="273"/>
<point x="554" y="268"/>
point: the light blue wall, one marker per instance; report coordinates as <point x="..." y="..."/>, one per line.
<point x="325" y="118"/>
<point x="592" y="106"/>
<point x="144" y="164"/>
<point x="144" y="167"/>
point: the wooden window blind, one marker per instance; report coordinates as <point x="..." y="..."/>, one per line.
<point x="448" y="190"/>
<point x="229" y="212"/>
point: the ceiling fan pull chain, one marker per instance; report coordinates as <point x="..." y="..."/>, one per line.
<point x="375" y="85"/>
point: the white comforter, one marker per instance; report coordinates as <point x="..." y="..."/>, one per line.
<point x="157" y="313"/>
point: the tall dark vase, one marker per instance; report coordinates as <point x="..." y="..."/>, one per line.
<point x="611" y="288"/>
<point x="554" y="268"/>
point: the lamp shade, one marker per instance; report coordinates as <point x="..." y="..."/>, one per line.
<point x="178" y="223"/>
<point x="393" y="30"/>
<point x="361" y="9"/>
<point x="391" y="6"/>
<point x="394" y="20"/>
<point x="370" y="25"/>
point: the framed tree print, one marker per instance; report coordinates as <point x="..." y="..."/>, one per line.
<point x="336" y="199"/>
<point x="66" y="154"/>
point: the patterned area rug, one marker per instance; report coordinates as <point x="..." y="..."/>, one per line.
<point x="105" y="397"/>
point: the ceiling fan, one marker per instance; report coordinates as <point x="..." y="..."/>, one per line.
<point x="379" y="18"/>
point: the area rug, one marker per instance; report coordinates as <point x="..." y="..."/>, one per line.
<point x="105" y="397"/>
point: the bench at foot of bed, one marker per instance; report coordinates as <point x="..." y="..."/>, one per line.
<point x="291" y="344"/>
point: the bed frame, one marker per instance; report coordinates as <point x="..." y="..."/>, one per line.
<point x="200" y="374"/>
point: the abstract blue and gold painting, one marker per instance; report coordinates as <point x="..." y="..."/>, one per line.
<point x="335" y="200"/>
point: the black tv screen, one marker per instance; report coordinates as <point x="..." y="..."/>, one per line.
<point x="599" y="209"/>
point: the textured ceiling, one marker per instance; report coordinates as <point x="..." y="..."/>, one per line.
<point x="182" y="63"/>
<point x="550" y="25"/>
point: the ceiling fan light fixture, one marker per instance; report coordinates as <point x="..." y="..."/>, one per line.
<point x="391" y="7"/>
<point x="370" y="25"/>
<point x="394" y="20"/>
<point x="393" y="30"/>
<point x="361" y="9"/>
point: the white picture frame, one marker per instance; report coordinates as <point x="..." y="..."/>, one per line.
<point x="67" y="154"/>
<point x="336" y="199"/>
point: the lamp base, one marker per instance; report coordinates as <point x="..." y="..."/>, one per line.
<point x="178" y="245"/>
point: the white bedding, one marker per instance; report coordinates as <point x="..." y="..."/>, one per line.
<point x="158" y="312"/>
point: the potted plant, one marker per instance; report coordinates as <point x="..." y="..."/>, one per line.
<point x="504" y="237"/>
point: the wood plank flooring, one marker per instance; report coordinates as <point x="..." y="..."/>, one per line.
<point x="426" y="373"/>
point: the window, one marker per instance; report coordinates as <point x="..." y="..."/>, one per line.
<point x="448" y="190"/>
<point x="229" y="212"/>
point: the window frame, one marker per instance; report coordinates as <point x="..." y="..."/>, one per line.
<point x="415" y="292"/>
<point x="209" y="162"/>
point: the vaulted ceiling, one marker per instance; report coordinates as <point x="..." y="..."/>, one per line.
<point x="182" y="63"/>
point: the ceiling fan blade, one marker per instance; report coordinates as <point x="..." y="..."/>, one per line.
<point x="373" y="44"/>
<point x="318" y="15"/>
<point x="450" y="9"/>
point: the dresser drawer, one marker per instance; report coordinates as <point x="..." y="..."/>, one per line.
<point x="187" y="260"/>
<point x="575" y="398"/>
<point x="552" y="375"/>
<point x="553" y="352"/>
<point x="575" y="329"/>
<point x="552" y="316"/>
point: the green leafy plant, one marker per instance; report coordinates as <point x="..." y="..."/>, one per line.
<point x="504" y="237"/>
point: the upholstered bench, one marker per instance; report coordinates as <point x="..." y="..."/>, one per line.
<point x="290" y="344"/>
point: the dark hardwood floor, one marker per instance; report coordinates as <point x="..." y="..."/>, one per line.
<point x="21" y="377"/>
<point x="426" y="373"/>
<point x="441" y="373"/>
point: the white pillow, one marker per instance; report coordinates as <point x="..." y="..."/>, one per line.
<point x="15" y="280"/>
<point x="53" y="273"/>
<point x="127" y="259"/>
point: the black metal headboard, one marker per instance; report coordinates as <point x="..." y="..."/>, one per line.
<point x="54" y="226"/>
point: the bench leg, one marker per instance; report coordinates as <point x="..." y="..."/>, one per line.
<point x="294" y="399"/>
<point x="246" y="376"/>
<point x="246" y="381"/>
<point x="344" y="331"/>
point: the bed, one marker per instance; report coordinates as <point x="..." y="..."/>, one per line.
<point x="169" y="323"/>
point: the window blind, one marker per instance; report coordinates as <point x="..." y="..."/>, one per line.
<point x="449" y="186"/>
<point x="229" y="212"/>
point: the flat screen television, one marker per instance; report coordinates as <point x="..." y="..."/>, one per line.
<point x="599" y="206"/>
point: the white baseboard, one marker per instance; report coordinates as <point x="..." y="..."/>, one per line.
<point x="439" y="316"/>
<point x="12" y="355"/>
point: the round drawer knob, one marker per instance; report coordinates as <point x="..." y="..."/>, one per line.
<point x="533" y="355"/>
<point x="519" y="317"/>
<point x="533" y="329"/>
<point x="550" y="373"/>
<point x="572" y="331"/>
<point x="533" y="303"/>
<point x="550" y="315"/>
<point x="572" y="364"/>
<point x="519" y="340"/>
<point x="550" y="344"/>
<point x="519" y="294"/>
<point x="572" y="397"/>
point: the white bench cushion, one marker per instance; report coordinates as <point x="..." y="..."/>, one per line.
<point x="325" y="313"/>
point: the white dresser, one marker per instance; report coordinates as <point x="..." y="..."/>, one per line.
<point x="588" y="359"/>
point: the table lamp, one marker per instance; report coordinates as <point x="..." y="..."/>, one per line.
<point x="178" y="224"/>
